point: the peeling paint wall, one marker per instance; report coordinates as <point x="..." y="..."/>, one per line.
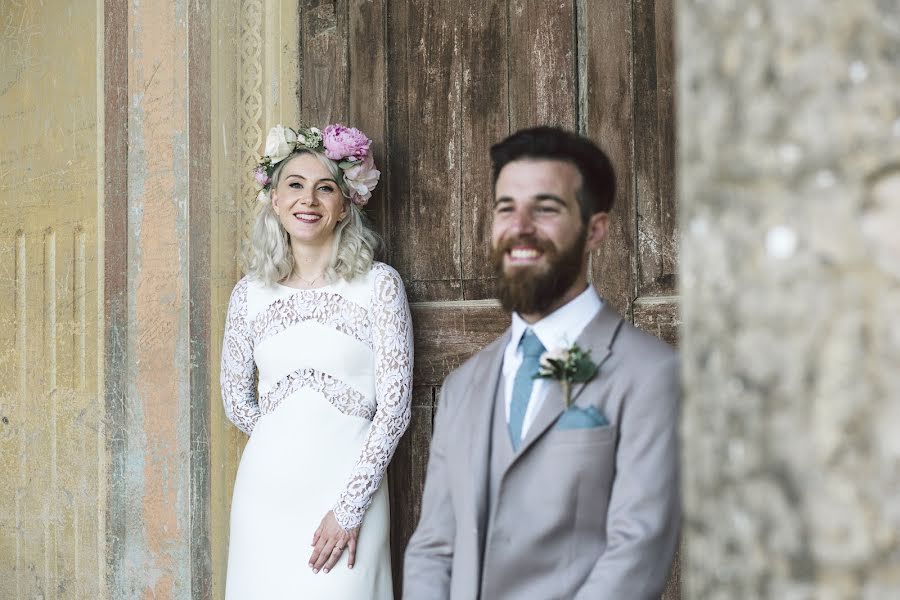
<point x="52" y="435"/>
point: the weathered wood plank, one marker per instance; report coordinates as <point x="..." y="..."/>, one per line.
<point x="115" y="280"/>
<point x="199" y="215"/>
<point x="605" y="29"/>
<point x="368" y="98"/>
<point x="324" y="62"/>
<point x="659" y="317"/>
<point x="485" y="97"/>
<point x="447" y="334"/>
<point x="673" y="586"/>
<point x="425" y="145"/>
<point x="406" y="477"/>
<point x="542" y="88"/>
<point x="654" y="146"/>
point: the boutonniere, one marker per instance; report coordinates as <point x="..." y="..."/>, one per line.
<point x="567" y="366"/>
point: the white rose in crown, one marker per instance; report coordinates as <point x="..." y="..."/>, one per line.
<point x="280" y="143"/>
<point x="362" y="178"/>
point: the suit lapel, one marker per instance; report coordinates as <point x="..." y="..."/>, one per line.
<point x="598" y="336"/>
<point x="482" y="393"/>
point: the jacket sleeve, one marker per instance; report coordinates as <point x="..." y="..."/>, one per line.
<point x="429" y="555"/>
<point x="644" y="515"/>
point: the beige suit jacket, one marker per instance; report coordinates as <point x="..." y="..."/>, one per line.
<point x="580" y="513"/>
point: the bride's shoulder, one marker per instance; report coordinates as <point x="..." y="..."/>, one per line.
<point x="384" y="275"/>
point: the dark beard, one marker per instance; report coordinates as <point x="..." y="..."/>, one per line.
<point x="527" y="292"/>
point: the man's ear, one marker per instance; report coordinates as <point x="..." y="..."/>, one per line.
<point x="597" y="228"/>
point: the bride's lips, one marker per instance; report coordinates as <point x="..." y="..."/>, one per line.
<point x="307" y="217"/>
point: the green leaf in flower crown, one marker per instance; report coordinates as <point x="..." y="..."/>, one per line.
<point x="346" y="164"/>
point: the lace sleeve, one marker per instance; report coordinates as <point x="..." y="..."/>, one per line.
<point x="393" y="345"/>
<point x="238" y="375"/>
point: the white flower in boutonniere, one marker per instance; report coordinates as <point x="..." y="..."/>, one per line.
<point x="567" y="366"/>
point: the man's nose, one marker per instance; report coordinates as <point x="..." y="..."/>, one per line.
<point x="522" y="223"/>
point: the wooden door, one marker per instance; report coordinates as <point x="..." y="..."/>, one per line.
<point x="435" y="83"/>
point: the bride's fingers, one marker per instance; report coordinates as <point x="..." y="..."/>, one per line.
<point x="324" y="554"/>
<point x="333" y="557"/>
<point x="351" y="552"/>
<point x="317" y="550"/>
<point x="316" y="535"/>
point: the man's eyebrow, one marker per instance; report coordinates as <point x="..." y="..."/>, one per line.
<point x="502" y="199"/>
<point x="552" y="197"/>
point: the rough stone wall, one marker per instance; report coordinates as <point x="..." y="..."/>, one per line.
<point x="789" y="183"/>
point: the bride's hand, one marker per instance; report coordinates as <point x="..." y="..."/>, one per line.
<point x="329" y="542"/>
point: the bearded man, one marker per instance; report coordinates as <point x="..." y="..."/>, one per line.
<point x="553" y="470"/>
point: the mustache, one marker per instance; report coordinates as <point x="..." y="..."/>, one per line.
<point x="543" y="246"/>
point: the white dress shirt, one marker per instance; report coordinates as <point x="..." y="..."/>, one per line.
<point x="558" y="329"/>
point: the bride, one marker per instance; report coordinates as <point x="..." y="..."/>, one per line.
<point x="316" y="368"/>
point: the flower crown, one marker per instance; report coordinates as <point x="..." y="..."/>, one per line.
<point x="346" y="145"/>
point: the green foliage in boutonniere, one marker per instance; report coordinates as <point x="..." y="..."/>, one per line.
<point x="567" y="366"/>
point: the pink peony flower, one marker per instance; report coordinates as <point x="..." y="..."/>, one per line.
<point x="362" y="179"/>
<point x="345" y="143"/>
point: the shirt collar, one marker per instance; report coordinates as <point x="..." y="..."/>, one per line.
<point x="563" y="326"/>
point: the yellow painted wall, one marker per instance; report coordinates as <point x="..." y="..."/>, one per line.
<point x="254" y="69"/>
<point x="51" y="405"/>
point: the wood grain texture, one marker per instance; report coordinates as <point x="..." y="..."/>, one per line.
<point x="485" y="120"/>
<point x="542" y="64"/>
<point x="608" y="120"/>
<point x="115" y="303"/>
<point x="658" y="316"/>
<point x="425" y="144"/>
<point x="324" y="62"/>
<point x="654" y="147"/>
<point x="367" y="97"/>
<point x="199" y="217"/>
<point x="447" y="334"/>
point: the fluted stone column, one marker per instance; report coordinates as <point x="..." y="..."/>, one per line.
<point x="789" y="183"/>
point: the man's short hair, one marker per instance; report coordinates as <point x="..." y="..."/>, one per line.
<point x="598" y="187"/>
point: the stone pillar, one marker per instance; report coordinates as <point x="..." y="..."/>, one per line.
<point x="157" y="297"/>
<point x="789" y="182"/>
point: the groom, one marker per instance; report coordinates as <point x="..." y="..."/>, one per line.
<point x="533" y="491"/>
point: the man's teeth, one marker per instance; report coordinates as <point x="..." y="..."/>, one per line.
<point x="524" y="253"/>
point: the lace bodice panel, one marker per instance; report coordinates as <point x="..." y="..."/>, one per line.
<point x="371" y="324"/>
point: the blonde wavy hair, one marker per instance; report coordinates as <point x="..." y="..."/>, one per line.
<point x="267" y="254"/>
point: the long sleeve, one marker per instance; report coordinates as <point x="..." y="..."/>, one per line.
<point x="644" y="508"/>
<point x="393" y="347"/>
<point x="429" y="554"/>
<point x="238" y="374"/>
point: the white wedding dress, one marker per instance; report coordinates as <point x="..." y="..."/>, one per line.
<point x="320" y="379"/>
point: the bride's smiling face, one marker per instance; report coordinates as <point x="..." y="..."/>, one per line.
<point x="308" y="201"/>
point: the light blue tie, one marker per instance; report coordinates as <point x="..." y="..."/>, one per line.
<point x="532" y="348"/>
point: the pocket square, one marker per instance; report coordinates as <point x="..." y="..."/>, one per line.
<point x="581" y="418"/>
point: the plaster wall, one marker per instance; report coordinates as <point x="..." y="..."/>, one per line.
<point x="789" y="195"/>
